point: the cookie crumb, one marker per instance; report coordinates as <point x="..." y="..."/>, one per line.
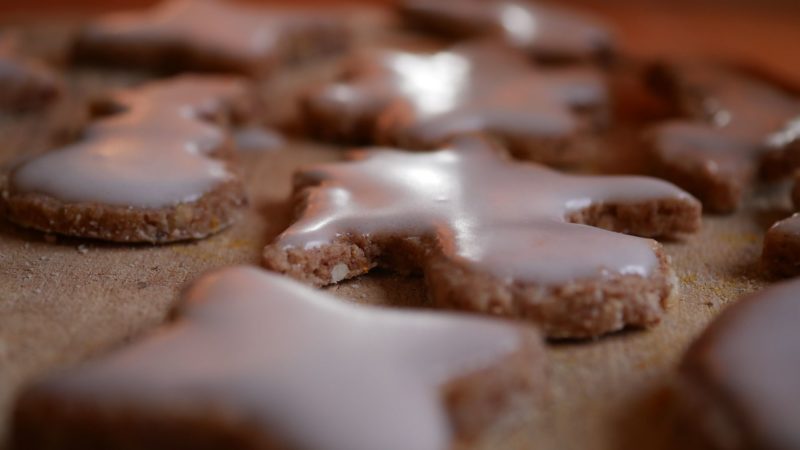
<point x="82" y="249"/>
<point x="339" y="272"/>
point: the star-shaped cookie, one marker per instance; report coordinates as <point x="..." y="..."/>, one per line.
<point x="734" y="127"/>
<point x="212" y="35"/>
<point x="255" y="361"/>
<point x="421" y="100"/>
<point x="490" y="235"/>
<point x="549" y="33"/>
<point x="27" y="85"/>
<point x="157" y="169"/>
<point x="741" y="378"/>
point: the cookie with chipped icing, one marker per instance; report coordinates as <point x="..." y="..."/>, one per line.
<point x="422" y="100"/>
<point x="549" y="33"/>
<point x="734" y="128"/>
<point x="158" y="169"/>
<point x="211" y="35"/>
<point x="741" y="379"/>
<point x="255" y="360"/>
<point x="491" y="235"/>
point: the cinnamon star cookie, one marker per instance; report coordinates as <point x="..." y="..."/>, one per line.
<point x="741" y="378"/>
<point x="156" y="169"/>
<point x="549" y="33"/>
<point x="734" y="127"/>
<point x="256" y="361"/>
<point x="422" y="100"/>
<point x="212" y="35"/>
<point x="490" y="235"/>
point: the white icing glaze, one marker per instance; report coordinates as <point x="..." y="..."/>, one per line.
<point x="157" y="152"/>
<point x="503" y="217"/>
<point x="299" y="364"/>
<point x="476" y="87"/>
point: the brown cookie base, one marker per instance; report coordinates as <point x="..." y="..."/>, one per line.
<point x="46" y="418"/>
<point x="579" y="309"/>
<point x="297" y="46"/>
<point x="781" y="253"/>
<point x="211" y="213"/>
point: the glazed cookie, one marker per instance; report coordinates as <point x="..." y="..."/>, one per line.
<point x="157" y="169"/>
<point x="781" y="254"/>
<point x="733" y="128"/>
<point x="26" y="86"/>
<point x="741" y="378"/>
<point x="490" y="235"/>
<point x="422" y="100"/>
<point x="211" y="35"/>
<point x="546" y="32"/>
<point x="257" y="361"/>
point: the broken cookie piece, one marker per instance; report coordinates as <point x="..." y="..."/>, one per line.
<point x="734" y="127"/>
<point x="212" y="35"/>
<point x="490" y="235"/>
<point x="740" y="381"/>
<point x="157" y="169"/>
<point x="549" y="33"/>
<point x="255" y="361"/>
<point x="422" y="100"/>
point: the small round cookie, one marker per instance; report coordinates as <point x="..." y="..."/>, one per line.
<point x="158" y="169"/>
<point x="491" y="235"/>
<point x="741" y="379"/>
<point x="258" y="361"/>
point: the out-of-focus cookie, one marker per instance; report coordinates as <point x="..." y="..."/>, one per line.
<point x="781" y="253"/>
<point x="157" y="169"/>
<point x="422" y="100"/>
<point x="549" y="33"/>
<point x="741" y="378"/>
<point x="212" y="35"/>
<point x="26" y="85"/>
<point x="734" y="128"/>
<point x="257" y="361"/>
<point x="491" y="235"/>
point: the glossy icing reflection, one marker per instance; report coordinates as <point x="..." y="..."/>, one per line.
<point x="479" y="87"/>
<point x="162" y="148"/>
<point x="546" y="31"/>
<point x="297" y="364"/>
<point x="738" y="117"/>
<point x="504" y="218"/>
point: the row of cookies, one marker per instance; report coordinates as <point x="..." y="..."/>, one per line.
<point x="460" y="214"/>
